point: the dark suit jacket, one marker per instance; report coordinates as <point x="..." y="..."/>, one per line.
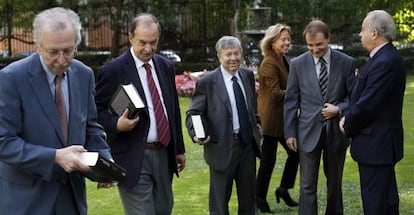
<point x="212" y="102"/>
<point x="374" y="121"/>
<point x="128" y="147"/>
<point x="273" y="75"/>
<point x="304" y="101"/>
<point x="30" y="133"/>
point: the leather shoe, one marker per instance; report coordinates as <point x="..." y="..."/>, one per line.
<point x="282" y="193"/>
<point x="263" y="205"/>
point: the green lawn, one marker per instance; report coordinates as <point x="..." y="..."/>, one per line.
<point x="191" y="188"/>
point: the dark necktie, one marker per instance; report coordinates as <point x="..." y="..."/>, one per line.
<point x="323" y="77"/>
<point x="61" y="107"/>
<point x="245" y="126"/>
<point x="162" y="122"/>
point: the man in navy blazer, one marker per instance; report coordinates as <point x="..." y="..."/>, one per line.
<point x="136" y="143"/>
<point x="38" y="162"/>
<point x="374" y="121"/>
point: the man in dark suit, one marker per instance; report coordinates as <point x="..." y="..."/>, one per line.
<point x="233" y="132"/>
<point x="39" y="147"/>
<point x="374" y="119"/>
<point x="147" y="146"/>
<point x="317" y="90"/>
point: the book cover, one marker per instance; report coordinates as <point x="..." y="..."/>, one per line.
<point x="198" y="126"/>
<point x="102" y="169"/>
<point x="126" y="96"/>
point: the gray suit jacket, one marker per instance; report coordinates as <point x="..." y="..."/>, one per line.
<point x="30" y="133"/>
<point x="304" y="102"/>
<point x="212" y="102"/>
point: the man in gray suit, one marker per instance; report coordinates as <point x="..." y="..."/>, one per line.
<point x="231" y="144"/>
<point x="318" y="85"/>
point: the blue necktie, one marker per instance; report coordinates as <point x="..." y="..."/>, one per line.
<point x="245" y="131"/>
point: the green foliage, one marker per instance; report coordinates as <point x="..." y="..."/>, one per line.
<point x="191" y="188"/>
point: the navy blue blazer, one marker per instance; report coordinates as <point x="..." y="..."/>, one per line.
<point x="128" y="147"/>
<point x="374" y="121"/>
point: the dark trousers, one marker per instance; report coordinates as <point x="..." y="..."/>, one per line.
<point x="267" y="163"/>
<point x="379" y="189"/>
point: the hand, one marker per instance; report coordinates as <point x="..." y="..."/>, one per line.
<point x="105" y="185"/>
<point x="329" y="111"/>
<point x="292" y="144"/>
<point x="181" y="162"/>
<point x="341" y="125"/>
<point x="126" y="124"/>
<point x="68" y="158"/>
<point x="201" y="141"/>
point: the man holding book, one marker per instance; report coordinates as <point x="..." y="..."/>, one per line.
<point x="149" y="146"/>
<point x="47" y="118"/>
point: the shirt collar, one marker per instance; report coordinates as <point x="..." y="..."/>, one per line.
<point x="326" y="57"/>
<point x="139" y="62"/>
<point x="227" y="76"/>
<point x="49" y="74"/>
<point x="376" y="49"/>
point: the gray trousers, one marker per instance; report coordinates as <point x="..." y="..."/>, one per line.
<point x="153" y="193"/>
<point x="333" y="165"/>
<point x="243" y="171"/>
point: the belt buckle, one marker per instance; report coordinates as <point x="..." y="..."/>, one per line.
<point x="153" y="146"/>
<point x="236" y="136"/>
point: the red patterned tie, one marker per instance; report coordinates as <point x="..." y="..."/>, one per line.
<point x="162" y="122"/>
<point x="61" y="107"/>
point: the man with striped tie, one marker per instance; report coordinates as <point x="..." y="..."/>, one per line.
<point x="150" y="146"/>
<point x="317" y="95"/>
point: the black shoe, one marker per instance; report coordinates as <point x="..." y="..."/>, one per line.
<point x="284" y="194"/>
<point x="263" y="206"/>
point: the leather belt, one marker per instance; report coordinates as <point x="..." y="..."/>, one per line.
<point x="236" y="136"/>
<point x="153" y="146"/>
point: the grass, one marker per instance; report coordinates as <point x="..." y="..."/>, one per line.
<point x="191" y="188"/>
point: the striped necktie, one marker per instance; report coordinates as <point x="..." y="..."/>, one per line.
<point x="323" y="77"/>
<point x="162" y="122"/>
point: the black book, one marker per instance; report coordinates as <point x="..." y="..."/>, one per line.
<point x="126" y="96"/>
<point x="102" y="169"/>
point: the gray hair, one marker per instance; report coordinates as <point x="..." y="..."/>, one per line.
<point x="272" y="33"/>
<point x="54" y="19"/>
<point x="381" y="21"/>
<point x="226" y="42"/>
<point x="145" y="19"/>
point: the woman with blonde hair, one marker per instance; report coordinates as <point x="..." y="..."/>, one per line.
<point x="273" y="74"/>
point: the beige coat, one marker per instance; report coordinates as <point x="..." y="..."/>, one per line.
<point x="273" y="74"/>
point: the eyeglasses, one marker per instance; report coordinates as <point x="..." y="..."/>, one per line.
<point x="54" y="53"/>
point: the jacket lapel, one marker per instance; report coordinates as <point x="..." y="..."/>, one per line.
<point x="221" y="90"/>
<point x="42" y="92"/>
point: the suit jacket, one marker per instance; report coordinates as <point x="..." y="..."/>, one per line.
<point x="128" y="147"/>
<point x="304" y="101"/>
<point x="212" y="102"/>
<point x="30" y="133"/>
<point x="374" y="121"/>
<point x="273" y="75"/>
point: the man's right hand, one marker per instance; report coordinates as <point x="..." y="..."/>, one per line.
<point x="201" y="141"/>
<point x="69" y="160"/>
<point x="126" y="124"/>
<point x="292" y="144"/>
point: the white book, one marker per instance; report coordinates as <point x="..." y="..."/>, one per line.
<point x="198" y="126"/>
